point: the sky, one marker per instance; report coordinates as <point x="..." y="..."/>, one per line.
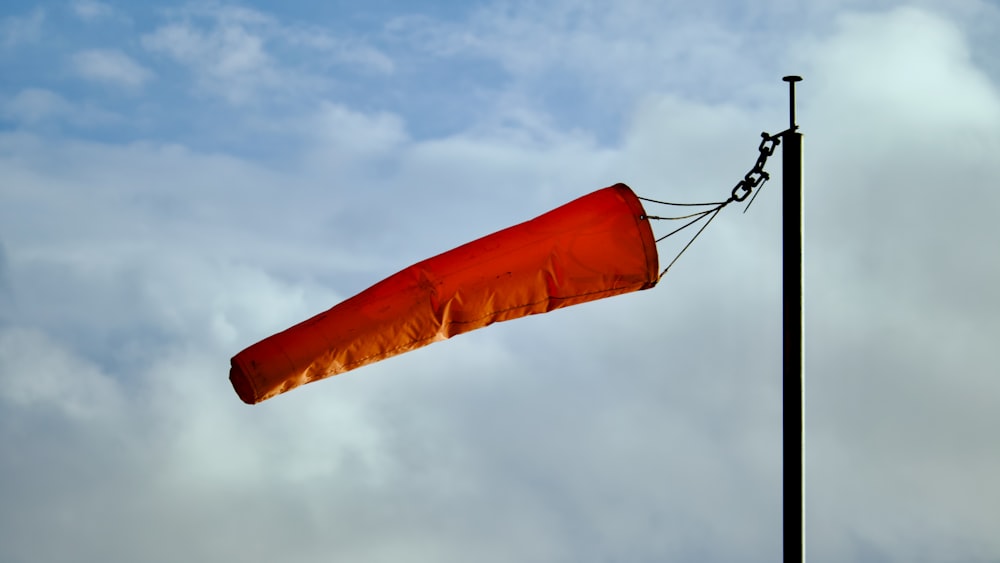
<point x="178" y="181"/>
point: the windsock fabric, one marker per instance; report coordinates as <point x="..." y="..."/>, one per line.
<point x="596" y="246"/>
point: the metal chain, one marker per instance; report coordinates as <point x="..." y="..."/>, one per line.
<point x="752" y="179"/>
<point x="756" y="176"/>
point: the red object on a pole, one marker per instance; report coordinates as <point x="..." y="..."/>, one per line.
<point x="596" y="246"/>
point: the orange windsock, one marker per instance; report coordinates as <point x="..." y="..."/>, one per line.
<point x="593" y="247"/>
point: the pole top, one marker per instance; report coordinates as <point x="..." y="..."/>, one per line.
<point x="791" y="80"/>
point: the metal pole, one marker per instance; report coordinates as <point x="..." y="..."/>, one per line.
<point x="792" y="417"/>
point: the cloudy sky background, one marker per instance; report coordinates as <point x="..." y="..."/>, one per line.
<point x="179" y="181"/>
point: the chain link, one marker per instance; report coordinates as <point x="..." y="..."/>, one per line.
<point x="756" y="176"/>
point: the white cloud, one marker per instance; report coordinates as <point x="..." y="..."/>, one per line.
<point x="900" y="126"/>
<point x="645" y="427"/>
<point x="343" y="134"/>
<point x="229" y="60"/>
<point x="350" y="51"/>
<point x="229" y="50"/>
<point x="37" y="372"/>
<point x="33" y="107"/>
<point x="16" y="30"/>
<point x="925" y="68"/>
<point x="92" y="10"/>
<point x="4" y="275"/>
<point x="112" y="67"/>
<point x="35" y="104"/>
<point x="581" y="55"/>
<point x="169" y="261"/>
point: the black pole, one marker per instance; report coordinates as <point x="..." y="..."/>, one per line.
<point x="792" y="417"/>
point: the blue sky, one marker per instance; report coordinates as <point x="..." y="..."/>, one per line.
<point x="178" y="181"/>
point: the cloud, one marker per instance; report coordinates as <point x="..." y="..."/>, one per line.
<point x="35" y="104"/>
<point x="6" y="291"/>
<point x="645" y="427"/>
<point x="70" y="385"/>
<point x="928" y="62"/>
<point x="229" y="50"/>
<point x="414" y="450"/>
<point x="230" y="60"/>
<point x="584" y="64"/>
<point x="38" y="107"/>
<point x="346" y="50"/>
<point x="92" y="10"/>
<point x="111" y="67"/>
<point x="901" y="123"/>
<point x="17" y="30"/>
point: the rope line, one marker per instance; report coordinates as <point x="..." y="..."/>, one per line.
<point x="678" y="204"/>
<point x="690" y="242"/>
<point x="711" y="214"/>
<point x="751" y="185"/>
<point x="679" y="217"/>
<point x="699" y="217"/>
<point x="754" y="196"/>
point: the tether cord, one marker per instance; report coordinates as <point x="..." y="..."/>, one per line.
<point x="680" y="204"/>
<point x="717" y="210"/>
<point x="710" y="213"/>
<point x="698" y="214"/>
<point x="751" y="184"/>
<point x="698" y="217"/>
